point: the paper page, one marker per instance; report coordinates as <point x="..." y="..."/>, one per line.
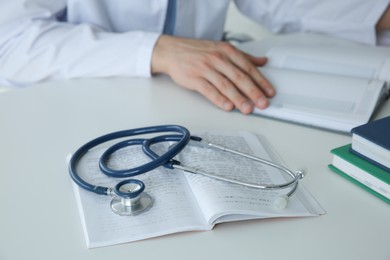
<point x="326" y="101"/>
<point x="359" y="61"/>
<point x="221" y="201"/>
<point x="174" y="209"/>
<point x="324" y="54"/>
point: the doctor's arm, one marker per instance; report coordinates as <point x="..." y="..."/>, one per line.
<point x="384" y="22"/>
<point x="35" y="47"/>
<point x="355" y="20"/>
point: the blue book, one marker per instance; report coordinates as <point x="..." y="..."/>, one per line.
<point x="371" y="141"/>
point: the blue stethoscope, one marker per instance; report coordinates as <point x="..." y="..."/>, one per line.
<point x="129" y="196"/>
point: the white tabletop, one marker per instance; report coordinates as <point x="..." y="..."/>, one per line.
<point x="39" y="217"/>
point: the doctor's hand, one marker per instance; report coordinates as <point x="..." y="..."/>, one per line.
<point x="220" y="72"/>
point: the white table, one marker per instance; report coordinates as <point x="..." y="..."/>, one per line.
<point x="39" y="218"/>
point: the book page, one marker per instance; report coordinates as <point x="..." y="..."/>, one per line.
<point x="323" y="54"/>
<point x="174" y="209"/>
<point x="359" y="61"/>
<point x="222" y="201"/>
<point x="322" y="100"/>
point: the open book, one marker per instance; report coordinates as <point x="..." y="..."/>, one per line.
<point x="323" y="81"/>
<point x="184" y="201"/>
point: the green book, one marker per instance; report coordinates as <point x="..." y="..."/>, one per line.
<point x="361" y="172"/>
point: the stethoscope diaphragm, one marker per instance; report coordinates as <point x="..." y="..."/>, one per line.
<point x="131" y="198"/>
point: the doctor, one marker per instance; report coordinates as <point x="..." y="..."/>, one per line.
<point x="62" y="39"/>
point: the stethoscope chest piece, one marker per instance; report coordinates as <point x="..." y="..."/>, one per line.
<point x="131" y="198"/>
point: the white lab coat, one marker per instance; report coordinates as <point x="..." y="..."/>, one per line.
<point x="62" y="39"/>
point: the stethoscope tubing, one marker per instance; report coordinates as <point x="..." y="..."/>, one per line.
<point x="79" y="153"/>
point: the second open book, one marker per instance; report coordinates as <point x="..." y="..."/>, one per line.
<point x="323" y="81"/>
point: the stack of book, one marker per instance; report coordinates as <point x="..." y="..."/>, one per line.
<point x="366" y="161"/>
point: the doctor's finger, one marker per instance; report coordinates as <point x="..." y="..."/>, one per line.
<point x="242" y="83"/>
<point x="258" y="77"/>
<point x="209" y="91"/>
<point x="230" y="91"/>
<point x="249" y="65"/>
<point x="245" y="64"/>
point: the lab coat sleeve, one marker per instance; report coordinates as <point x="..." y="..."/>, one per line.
<point x="34" y="46"/>
<point x="350" y="19"/>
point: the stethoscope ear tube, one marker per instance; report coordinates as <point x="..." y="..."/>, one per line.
<point x="76" y="157"/>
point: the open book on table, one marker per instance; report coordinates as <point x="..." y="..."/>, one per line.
<point x="323" y="81"/>
<point x="184" y="201"/>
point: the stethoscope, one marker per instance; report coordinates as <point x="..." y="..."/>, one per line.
<point x="129" y="196"/>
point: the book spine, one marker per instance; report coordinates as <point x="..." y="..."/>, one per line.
<point x="358" y="183"/>
<point x="369" y="160"/>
